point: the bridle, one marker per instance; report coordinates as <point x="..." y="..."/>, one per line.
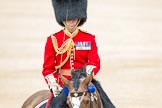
<point x="78" y="94"/>
<point x="76" y="98"/>
<point x="79" y="97"/>
<point x="80" y="90"/>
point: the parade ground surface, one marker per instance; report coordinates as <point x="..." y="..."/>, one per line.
<point x="128" y="35"/>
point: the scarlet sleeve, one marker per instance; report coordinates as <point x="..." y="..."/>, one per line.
<point x="93" y="57"/>
<point x="49" y="58"/>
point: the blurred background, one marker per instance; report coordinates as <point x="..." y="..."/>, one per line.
<point x="128" y="35"/>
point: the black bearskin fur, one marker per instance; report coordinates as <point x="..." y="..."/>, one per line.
<point x="70" y="9"/>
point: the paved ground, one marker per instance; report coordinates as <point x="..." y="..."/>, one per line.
<point x="128" y="34"/>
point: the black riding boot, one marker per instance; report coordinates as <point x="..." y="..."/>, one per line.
<point x="105" y="99"/>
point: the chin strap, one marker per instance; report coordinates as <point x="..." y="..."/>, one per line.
<point x="67" y="47"/>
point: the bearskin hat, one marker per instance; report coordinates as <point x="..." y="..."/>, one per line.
<point x="70" y="9"/>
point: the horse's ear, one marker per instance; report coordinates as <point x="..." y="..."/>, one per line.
<point x="64" y="80"/>
<point x="88" y="79"/>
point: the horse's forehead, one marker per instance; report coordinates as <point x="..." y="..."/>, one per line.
<point x="80" y="80"/>
<point x="76" y="84"/>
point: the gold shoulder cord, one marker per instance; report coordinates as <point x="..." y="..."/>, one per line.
<point x="67" y="47"/>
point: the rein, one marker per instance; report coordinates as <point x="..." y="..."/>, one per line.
<point x="91" y="101"/>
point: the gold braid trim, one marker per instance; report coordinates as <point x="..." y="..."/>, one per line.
<point x="67" y="47"/>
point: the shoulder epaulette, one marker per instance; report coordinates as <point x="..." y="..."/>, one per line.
<point x="58" y="32"/>
<point x="84" y="31"/>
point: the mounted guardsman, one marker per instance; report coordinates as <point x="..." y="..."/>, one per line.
<point x="70" y="48"/>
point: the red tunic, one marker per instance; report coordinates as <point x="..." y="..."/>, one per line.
<point x="86" y="52"/>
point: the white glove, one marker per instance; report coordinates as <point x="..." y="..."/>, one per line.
<point x="53" y="85"/>
<point x="89" y="69"/>
<point x="56" y="90"/>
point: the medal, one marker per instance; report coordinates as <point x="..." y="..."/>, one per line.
<point x="83" y="45"/>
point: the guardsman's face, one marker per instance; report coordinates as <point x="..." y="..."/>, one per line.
<point x="71" y="23"/>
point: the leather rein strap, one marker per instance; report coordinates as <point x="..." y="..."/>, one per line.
<point x="91" y="101"/>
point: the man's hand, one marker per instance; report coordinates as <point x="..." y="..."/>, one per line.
<point x="56" y="90"/>
<point x="89" y="69"/>
<point x="53" y="85"/>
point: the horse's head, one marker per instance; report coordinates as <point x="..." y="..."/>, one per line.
<point x="78" y="96"/>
